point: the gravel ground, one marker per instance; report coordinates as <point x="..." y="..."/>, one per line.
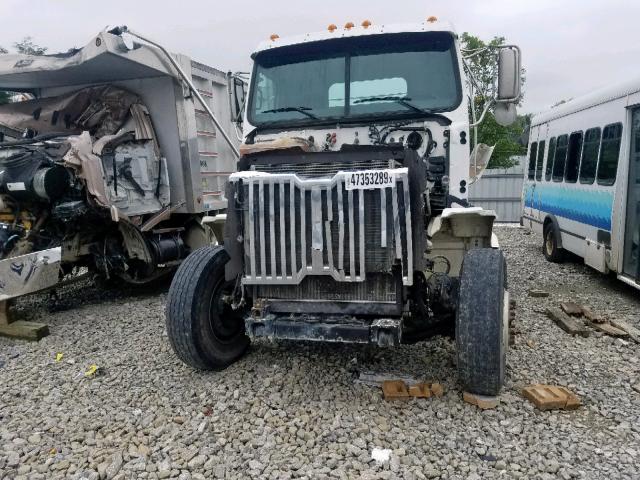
<point x="290" y="410"/>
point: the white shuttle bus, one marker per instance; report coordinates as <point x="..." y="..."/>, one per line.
<point x="582" y="186"/>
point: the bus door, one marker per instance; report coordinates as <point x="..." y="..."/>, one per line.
<point x="631" y="266"/>
<point x="530" y="175"/>
<point x="542" y="147"/>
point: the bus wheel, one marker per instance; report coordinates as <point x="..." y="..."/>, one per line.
<point x="552" y="252"/>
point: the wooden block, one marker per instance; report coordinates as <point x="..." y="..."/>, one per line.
<point x="609" y="329"/>
<point x="592" y="316"/>
<point x="481" y="401"/>
<point x="24" y="330"/>
<point x="567" y="323"/>
<point x="633" y="332"/>
<point x="4" y="313"/>
<point x="538" y="293"/>
<point x="571" y="308"/>
<point x="420" y="390"/>
<point x="395" y="390"/>
<point x="437" y="390"/>
<point x="549" y="397"/>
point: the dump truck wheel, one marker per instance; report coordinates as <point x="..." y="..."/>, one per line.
<point x="203" y="329"/>
<point x="552" y="252"/>
<point x="481" y="327"/>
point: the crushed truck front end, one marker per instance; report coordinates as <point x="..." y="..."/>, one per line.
<point x="108" y="162"/>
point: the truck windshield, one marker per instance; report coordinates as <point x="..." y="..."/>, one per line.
<point x="391" y="75"/>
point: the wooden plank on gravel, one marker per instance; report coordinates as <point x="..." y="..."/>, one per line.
<point x="567" y="323"/>
<point x="609" y="329"/>
<point x="24" y="330"/>
<point x="571" y="308"/>
<point x="592" y="316"/>
<point x="634" y="333"/>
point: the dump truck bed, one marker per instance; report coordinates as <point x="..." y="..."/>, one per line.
<point x="198" y="162"/>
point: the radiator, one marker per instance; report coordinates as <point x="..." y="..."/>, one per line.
<point x="294" y="227"/>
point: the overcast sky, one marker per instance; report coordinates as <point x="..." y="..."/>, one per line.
<point x="569" y="46"/>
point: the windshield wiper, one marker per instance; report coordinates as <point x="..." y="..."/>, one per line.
<point x="302" y="110"/>
<point x="405" y="102"/>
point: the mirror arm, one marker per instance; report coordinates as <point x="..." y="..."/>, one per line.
<point x="484" y="113"/>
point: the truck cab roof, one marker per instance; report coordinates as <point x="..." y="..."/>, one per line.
<point x="357" y="30"/>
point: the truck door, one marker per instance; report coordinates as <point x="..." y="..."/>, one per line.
<point x="631" y="265"/>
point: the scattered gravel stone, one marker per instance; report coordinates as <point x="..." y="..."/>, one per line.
<point x="292" y="410"/>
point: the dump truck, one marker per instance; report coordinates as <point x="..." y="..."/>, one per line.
<point x="114" y="161"/>
<point x="348" y="217"/>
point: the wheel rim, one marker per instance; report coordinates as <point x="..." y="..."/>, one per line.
<point x="226" y="323"/>
<point x="549" y="242"/>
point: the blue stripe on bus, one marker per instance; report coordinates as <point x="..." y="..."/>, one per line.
<point x="588" y="206"/>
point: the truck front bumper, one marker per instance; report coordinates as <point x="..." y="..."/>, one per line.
<point x="384" y="332"/>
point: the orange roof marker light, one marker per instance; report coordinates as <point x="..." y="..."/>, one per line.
<point x="332" y="28"/>
<point x="349" y="25"/>
<point x="274" y="37"/>
<point x="366" y="24"/>
<point x="432" y="19"/>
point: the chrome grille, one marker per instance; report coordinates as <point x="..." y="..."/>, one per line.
<point x="294" y="227"/>
<point x="379" y="287"/>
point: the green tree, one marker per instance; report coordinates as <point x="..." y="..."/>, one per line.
<point x="481" y="61"/>
<point x="27" y="47"/>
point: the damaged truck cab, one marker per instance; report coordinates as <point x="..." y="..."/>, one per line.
<point x="348" y="217"/>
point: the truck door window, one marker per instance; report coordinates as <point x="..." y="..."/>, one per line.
<point x="609" y="153"/>
<point x="573" y="157"/>
<point x="560" y="158"/>
<point x="550" y="157"/>
<point x="540" y="161"/>
<point x="590" y="155"/>
<point x="532" y="160"/>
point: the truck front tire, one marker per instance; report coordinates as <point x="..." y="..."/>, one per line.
<point x="203" y="329"/>
<point x="481" y="328"/>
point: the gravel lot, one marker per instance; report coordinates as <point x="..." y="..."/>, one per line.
<point x="290" y="410"/>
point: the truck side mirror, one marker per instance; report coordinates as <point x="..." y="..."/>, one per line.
<point x="238" y="93"/>
<point x="509" y="68"/>
<point x="509" y="83"/>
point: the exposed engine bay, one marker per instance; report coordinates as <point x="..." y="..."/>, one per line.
<point x="83" y="171"/>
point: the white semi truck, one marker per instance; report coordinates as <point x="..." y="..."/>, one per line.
<point x="348" y="218"/>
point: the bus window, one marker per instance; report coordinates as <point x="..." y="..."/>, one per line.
<point x="573" y="158"/>
<point x="540" y="161"/>
<point x="560" y="158"/>
<point x="609" y="153"/>
<point x="590" y="155"/>
<point x="550" y="155"/>
<point x="532" y="160"/>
